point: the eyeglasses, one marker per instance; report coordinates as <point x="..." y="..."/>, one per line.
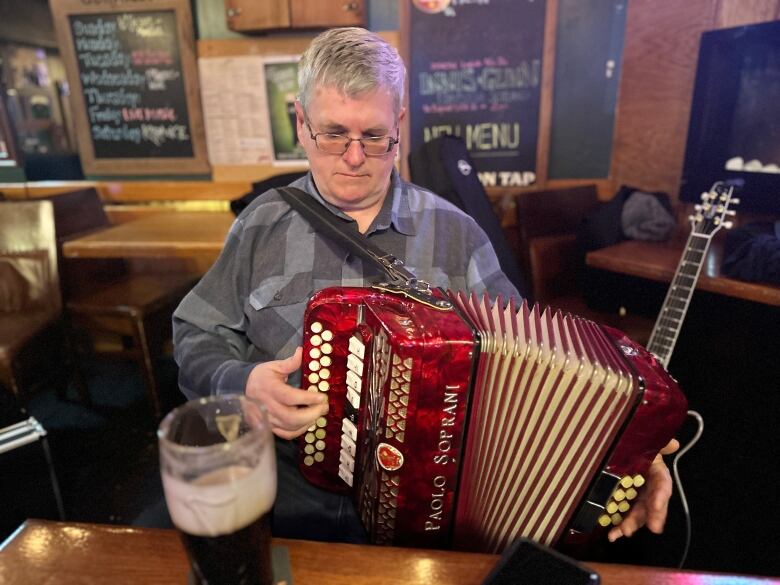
<point x="339" y="143"/>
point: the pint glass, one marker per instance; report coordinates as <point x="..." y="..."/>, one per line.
<point x="218" y="470"/>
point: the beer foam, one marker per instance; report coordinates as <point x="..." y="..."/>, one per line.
<point x="222" y="501"/>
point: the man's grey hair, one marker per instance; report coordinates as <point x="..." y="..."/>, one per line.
<point x="354" y="61"/>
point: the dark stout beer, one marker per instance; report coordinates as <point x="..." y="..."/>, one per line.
<point x="241" y="558"/>
<point x="224" y="518"/>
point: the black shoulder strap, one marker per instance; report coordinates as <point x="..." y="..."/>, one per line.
<point x="343" y="233"/>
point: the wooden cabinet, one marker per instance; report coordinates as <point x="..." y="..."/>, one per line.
<point x="251" y="15"/>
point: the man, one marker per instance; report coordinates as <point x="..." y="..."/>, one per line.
<point x="239" y="330"/>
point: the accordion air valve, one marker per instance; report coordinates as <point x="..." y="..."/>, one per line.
<point x="460" y="422"/>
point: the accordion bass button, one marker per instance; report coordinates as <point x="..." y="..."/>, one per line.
<point x="314" y="353"/>
<point x="308" y="460"/>
<point x="605" y="520"/>
<point x="316" y="340"/>
<point x="316" y="327"/>
<point x="631" y="493"/>
<point x="639" y="480"/>
<point x="616" y="519"/>
<point x="619" y="495"/>
<point x="327" y="335"/>
<point x="612" y="507"/>
<point x="627" y="481"/>
<point x="624" y="507"/>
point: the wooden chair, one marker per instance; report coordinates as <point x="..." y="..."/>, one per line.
<point x="547" y="223"/>
<point x="32" y="345"/>
<point x="112" y="310"/>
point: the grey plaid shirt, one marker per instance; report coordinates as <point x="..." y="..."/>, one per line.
<point x="249" y="306"/>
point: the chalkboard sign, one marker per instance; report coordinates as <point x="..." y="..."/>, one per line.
<point x="475" y="71"/>
<point x="131" y="67"/>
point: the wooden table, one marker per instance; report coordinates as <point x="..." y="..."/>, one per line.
<point x="165" y="235"/>
<point x="658" y="261"/>
<point x="42" y="553"/>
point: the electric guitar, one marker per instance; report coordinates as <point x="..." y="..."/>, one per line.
<point x="709" y="218"/>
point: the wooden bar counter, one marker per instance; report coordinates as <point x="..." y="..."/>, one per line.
<point x="658" y="261"/>
<point x="43" y="552"/>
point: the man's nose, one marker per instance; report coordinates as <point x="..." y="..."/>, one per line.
<point x="354" y="154"/>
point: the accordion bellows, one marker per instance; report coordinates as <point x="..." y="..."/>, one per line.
<point x="462" y="422"/>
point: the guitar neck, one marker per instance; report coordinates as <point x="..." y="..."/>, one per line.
<point x="667" y="327"/>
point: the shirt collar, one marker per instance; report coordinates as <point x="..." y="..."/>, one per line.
<point x="395" y="209"/>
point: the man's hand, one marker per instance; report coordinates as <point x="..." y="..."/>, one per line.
<point x="653" y="504"/>
<point x="290" y="410"/>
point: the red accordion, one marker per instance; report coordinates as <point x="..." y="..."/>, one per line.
<point x="461" y="422"/>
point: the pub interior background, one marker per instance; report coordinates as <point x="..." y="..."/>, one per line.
<point x="630" y="121"/>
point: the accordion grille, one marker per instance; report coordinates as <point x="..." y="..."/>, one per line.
<point x="550" y="395"/>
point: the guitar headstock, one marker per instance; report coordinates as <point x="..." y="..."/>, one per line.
<point x="711" y="213"/>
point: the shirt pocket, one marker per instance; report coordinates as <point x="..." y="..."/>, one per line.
<point x="278" y="291"/>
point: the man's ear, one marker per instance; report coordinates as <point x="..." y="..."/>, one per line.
<point x="299" y="121"/>
<point x="401" y="115"/>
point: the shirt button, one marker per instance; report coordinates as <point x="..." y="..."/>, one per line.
<point x="278" y="296"/>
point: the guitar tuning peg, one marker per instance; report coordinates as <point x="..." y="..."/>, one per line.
<point x="728" y="224"/>
<point x="705" y="196"/>
<point x="697" y="207"/>
<point x="735" y="200"/>
<point x="731" y="212"/>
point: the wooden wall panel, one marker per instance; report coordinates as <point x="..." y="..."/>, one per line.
<point x="659" y="65"/>
<point x="740" y="12"/>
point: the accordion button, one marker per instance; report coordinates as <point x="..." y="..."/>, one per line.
<point x="624" y="507"/>
<point x="319" y="445"/>
<point x="324" y="373"/>
<point x="319" y="456"/>
<point x="323" y="386"/>
<point x="314" y="365"/>
<point x="619" y="495"/>
<point x="627" y="481"/>
<point x="327" y="335"/>
<point x="319" y="433"/>
<point x="313" y="378"/>
<point x="616" y="519"/>
<point x="631" y="493"/>
<point x="321" y="422"/>
<point x="639" y="480"/>
<point x="308" y="460"/>
<point x="605" y="520"/>
<point x="316" y="327"/>
<point x="326" y="361"/>
<point x="612" y="507"/>
<point x="308" y="449"/>
<point x="326" y="348"/>
<point x="314" y="353"/>
<point x="316" y="340"/>
<point x="309" y="438"/>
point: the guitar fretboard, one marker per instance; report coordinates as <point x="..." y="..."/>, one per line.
<point x="678" y="297"/>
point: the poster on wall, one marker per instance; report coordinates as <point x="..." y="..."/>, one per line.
<point x="475" y="72"/>
<point x="281" y="84"/>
